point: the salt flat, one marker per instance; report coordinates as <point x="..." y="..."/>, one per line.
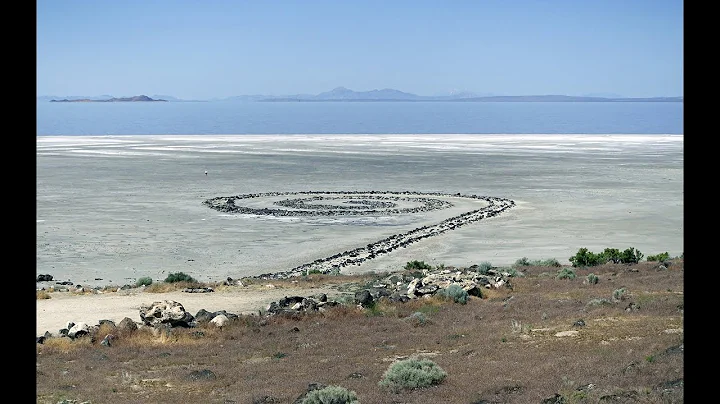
<point x="111" y="209"/>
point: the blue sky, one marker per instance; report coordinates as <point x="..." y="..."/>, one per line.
<point x="217" y="49"/>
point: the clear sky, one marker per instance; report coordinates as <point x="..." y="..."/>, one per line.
<point x="222" y="48"/>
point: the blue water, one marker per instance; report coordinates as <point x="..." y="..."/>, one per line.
<point x="215" y="118"/>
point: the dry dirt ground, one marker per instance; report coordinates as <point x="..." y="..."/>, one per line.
<point x="63" y="307"/>
<point x="540" y="340"/>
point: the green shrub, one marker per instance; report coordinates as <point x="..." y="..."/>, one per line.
<point x="374" y="309"/>
<point x="417" y="319"/>
<point x="592" y="279"/>
<point x="179" y="277"/>
<point x="631" y="256"/>
<point x="511" y="272"/>
<point x="455" y="293"/>
<point x="565" y="273"/>
<point x="144" y="281"/>
<point x="659" y="257"/>
<point x="619" y="294"/>
<point x="585" y="258"/>
<point x="412" y="374"/>
<point x="484" y="268"/>
<point x="429" y="308"/>
<point x="610" y="255"/>
<point x="598" y="302"/>
<point x="331" y="395"/>
<point x="550" y="262"/>
<point x="417" y="265"/>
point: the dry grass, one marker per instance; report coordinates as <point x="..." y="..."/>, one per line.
<point x="516" y="345"/>
<point x="164" y="287"/>
<point x="309" y="281"/>
<point x="42" y="294"/>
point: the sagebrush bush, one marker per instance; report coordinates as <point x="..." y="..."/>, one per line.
<point x="598" y="302"/>
<point x="484" y="267"/>
<point x="592" y="279"/>
<point x="565" y="273"/>
<point x="331" y="395"/>
<point x="455" y="293"/>
<point x="179" y="277"/>
<point x="550" y="262"/>
<point x="511" y="272"/>
<point x="417" y="319"/>
<point x="412" y="374"/>
<point x="144" y="281"/>
<point x="619" y="294"/>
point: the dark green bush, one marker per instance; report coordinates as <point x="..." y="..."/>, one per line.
<point x="417" y="265"/>
<point x="144" y="281"/>
<point x="586" y="258"/>
<point x="179" y="277"/>
<point x="631" y="256"/>
<point x="659" y="257"/>
<point x="611" y="255"/>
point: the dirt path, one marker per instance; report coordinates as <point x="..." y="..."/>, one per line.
<point x="53" y="314"/>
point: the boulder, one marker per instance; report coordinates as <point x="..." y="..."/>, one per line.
<point x="220" y="320"/>
<point x="167" y="312"/>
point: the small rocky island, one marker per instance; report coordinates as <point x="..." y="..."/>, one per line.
<point x="137" y="98"/>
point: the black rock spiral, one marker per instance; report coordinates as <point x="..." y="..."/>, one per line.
<point x="358" y="203"/>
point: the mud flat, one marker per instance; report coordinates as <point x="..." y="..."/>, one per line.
<point x="111" y="209"/>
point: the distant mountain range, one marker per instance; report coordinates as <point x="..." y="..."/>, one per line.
<point x="387" y="94"/>
<point x="109" y="98"/>
<point x="137" y="98"/>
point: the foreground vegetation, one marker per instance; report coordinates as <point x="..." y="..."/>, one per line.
<point x="610" y="332"/>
